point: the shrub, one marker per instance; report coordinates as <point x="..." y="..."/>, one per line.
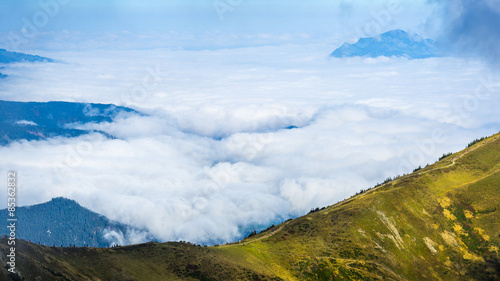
<point x="475" y="141"/>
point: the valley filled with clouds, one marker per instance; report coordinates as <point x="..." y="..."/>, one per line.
<point x="239" y="132"/>
<point x="236" y="139"/>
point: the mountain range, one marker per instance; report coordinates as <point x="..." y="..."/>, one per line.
<point x="42" y="120"/>
<point x="7" y="57"/>
<point x="437" y="223"/>
<point x="397" y="43"/>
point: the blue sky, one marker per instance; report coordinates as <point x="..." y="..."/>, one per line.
<point x="55" y="25"/>
<point x="197" y="16"/>
<point x="460" y="23"/>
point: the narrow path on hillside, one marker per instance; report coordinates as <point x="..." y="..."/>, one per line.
<point x="467" y="151"/>
<point x="257" y="239"/>
<point x="480" y="178"/>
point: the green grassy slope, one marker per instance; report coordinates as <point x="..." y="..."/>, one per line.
<point x="440" y="223"/>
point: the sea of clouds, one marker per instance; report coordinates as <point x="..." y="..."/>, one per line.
<point x="237" y="139"/>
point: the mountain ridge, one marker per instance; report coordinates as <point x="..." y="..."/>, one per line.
<point x="7" y="57"/>
<point x="11" y="57"/>
<point x="42" y="120"/>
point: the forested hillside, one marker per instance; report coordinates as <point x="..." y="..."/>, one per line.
<point x="42" y="120"/>
<point x="63" y="222"/>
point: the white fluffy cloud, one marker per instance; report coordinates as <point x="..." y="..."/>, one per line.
<point x="235" y="139"/>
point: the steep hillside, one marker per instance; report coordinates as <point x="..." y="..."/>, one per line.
<point x="439" y="223"/>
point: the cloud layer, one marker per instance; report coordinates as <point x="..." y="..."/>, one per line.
<point x="471" y="27"/>
<point x="236" y="139"/>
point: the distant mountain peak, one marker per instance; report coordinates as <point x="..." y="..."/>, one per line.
<point x="397" y="43"/>
<point x="58" y="200"/>
<point x="395" y="32"/>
